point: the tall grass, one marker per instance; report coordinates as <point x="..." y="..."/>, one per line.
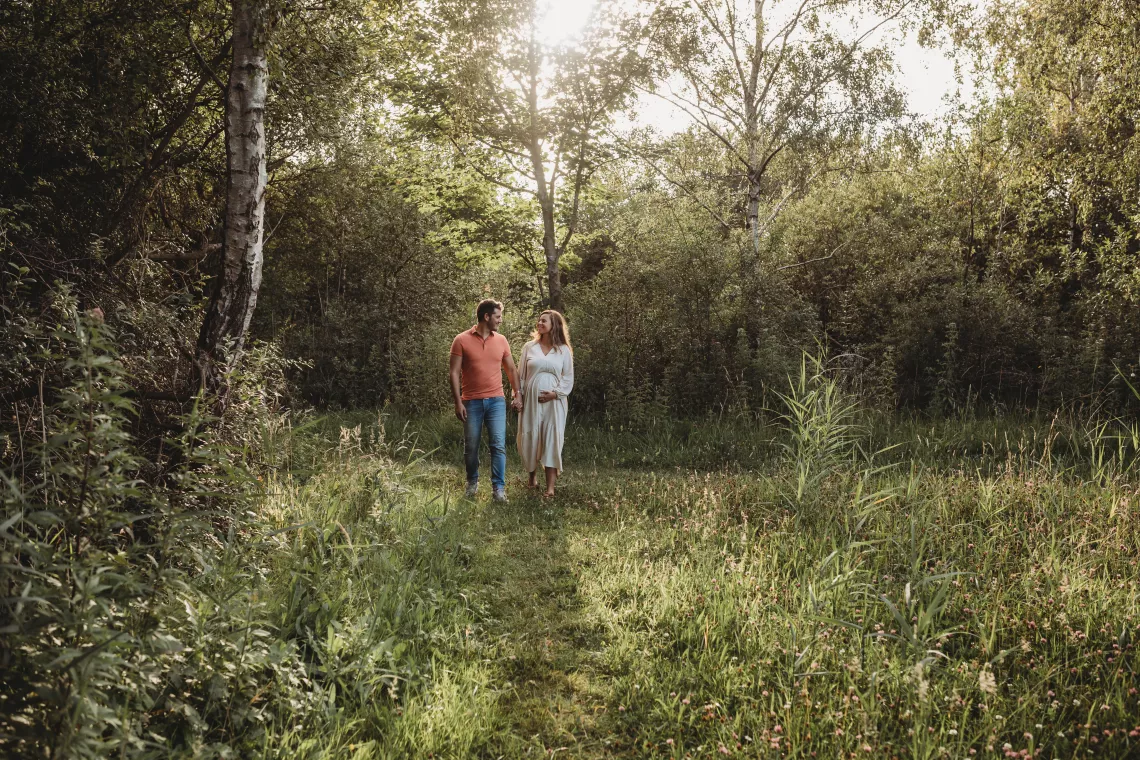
<point x="971" y="589"/>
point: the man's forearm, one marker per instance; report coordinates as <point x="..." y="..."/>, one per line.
<point x="456" y="393"/>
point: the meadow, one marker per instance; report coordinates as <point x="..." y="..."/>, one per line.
<point x="822" y="585"/>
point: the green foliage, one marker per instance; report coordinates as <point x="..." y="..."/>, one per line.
<point x="531" y="118"/>
<point x="665" y="326"/>
<point x="219" y="600"/>
<point x="350" y="602"/>
<point x="266" y="585"/>
<point x="661" y="610"/>
<point x="354" y="286"/>
<point x="1068" y="118"/>
<point x="900" y="290"/>
<point x="100" y="109"/>
<point x="108" y="643"/>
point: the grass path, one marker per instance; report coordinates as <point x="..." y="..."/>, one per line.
<point x="548" y="651"/>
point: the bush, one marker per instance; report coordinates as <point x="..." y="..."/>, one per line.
<point x="124" y="623"/>
<point x="354" y="286"/>
<point x="670" y="325"/>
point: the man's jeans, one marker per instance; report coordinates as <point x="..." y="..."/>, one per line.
<point x="491" y="412"/>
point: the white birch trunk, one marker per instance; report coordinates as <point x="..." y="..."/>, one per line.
<point x="232" y="302"/>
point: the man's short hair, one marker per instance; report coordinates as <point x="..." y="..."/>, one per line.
<point x="486" y="306"/>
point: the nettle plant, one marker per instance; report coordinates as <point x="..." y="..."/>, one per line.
<point x="126" y="627"/>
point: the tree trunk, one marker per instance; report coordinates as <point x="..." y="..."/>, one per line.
<point x="549" y="231"/>
<point x="234" y="296"/>
<point x="754" y="211"/>
<point x="544" y="190"/>
<point x="550" y="248"/>
<point x="752" y="126"/>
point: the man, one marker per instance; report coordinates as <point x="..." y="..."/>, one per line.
<point x="478" y="358"/>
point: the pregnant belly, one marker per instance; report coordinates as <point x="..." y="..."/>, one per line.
<point x="543" y="381"/>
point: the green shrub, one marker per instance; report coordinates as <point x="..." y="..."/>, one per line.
<point x="125" y="629"/>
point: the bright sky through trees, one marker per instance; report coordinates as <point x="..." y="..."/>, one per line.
<point x="926" y="74"/>
<point x="561" y="20"/>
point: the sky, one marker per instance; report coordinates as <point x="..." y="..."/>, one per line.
<point x="925" y="74"/>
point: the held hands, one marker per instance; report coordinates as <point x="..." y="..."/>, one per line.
<point x="517" y="403"/>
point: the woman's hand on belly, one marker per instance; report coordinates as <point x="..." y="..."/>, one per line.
<point x="545" y="396"/>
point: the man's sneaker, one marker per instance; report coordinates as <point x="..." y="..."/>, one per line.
<point x="472" y="487"/>
<point x="499" y="495"/>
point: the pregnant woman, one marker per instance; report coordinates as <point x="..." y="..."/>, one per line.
<point x="546" y="376"/>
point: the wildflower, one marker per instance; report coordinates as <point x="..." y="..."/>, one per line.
<point x="953" y="732"/>
<point x="669" y="742"/>
<point x="986" y="682"/>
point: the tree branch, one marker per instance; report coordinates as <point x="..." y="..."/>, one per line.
<point x="812" y="261"/>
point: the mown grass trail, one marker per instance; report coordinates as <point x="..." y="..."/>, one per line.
<point x="910" y="611"/>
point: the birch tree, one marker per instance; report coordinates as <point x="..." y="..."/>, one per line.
<point x="234" y="296"/>
<point x="781" y="79"/>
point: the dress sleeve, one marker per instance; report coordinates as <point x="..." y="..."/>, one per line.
<point x="566" y="381"/>
<point x="524" y="367"/>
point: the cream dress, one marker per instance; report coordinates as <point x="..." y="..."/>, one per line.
<point x="542" y="427"/>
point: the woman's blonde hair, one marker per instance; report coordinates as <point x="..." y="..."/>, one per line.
<point x="559" y="330"/>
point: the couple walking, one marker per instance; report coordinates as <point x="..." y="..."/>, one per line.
<point x="543" y="380"/>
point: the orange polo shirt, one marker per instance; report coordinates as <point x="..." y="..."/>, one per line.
<point x="481" y="374"/>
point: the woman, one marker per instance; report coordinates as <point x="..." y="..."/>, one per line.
<point x="546" y="376"/>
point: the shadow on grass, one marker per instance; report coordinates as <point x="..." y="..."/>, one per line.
<point x="544" y="646"/>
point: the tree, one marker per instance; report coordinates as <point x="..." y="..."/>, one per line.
<point x="529" y="117"/>
<point x="323" y="49"/>
<point x="791" y="80"/>
<point x="1067" y="114"/>
<point x="132" y="123"/>
<point x="235" y="290"/>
